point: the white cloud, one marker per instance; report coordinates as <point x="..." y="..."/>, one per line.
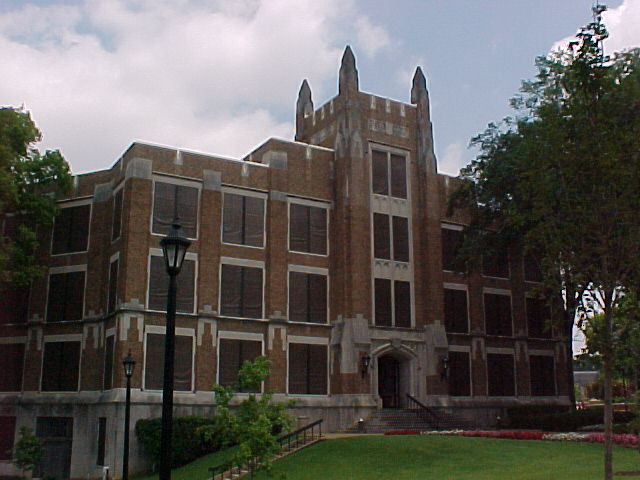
<point x="195" y="74"/>
<point x="452" y="161"/>
<point x="623" y="24"/>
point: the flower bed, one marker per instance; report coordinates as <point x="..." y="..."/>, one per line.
<point x="402" y="432"/>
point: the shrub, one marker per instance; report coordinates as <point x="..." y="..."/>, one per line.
<point x="402" y="432"/>
<point x="187" y="443"/>
<point x="568" y="421"/>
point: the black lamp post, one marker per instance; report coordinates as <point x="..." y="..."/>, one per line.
<point x="174" y="249"/>
<point x="129" y="364"/>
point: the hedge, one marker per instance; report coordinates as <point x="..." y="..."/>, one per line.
<point x="567" y="421"/>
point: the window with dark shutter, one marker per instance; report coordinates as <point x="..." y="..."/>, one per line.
<point x="538" y="318"/>
<point x="154" y="362"/>
<point x="500" y="375"/>
<point x="102" y="437"/>
<point x="400" y="239"/>
<point x="60" y="366"/>
<point x="241" y="291"/>
<point x="7" y="435"/>
<point x="497" y="314"/>
<point x="383" y="302"/>
<point x="459" y="374"/>
<point x="455" y="311"/>
<point x="159" y="285"/>
<point x="451" y="241"/>
<point x="381" y="236"/>
<point x="11" y="367"/>
<point x="71" y="230"/>
<point x="113" y="286"/>
<point x="66" y="296"/>
<point x="107" y="375"/>
<point x="307" y="297"/>
<point x="307" y="229"/>
<point x="379" y="173"/>
<point x="243" y="220"/>
<point x="116" y="226"/>
<point x="496" y="264"/>
<point x="398" y="176"/>
<point x="14" y="304"/>
<point x="175" y="201"/>
<point x="532" y="272"/>
<point x="402" y="304"/>
<point x="231" y="355"/>
<point x="307" y="369"/>
<point x="542" y="375"/>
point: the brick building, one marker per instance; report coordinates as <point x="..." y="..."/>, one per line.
<point x="316" y="252"/>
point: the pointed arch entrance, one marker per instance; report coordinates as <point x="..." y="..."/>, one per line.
<point x="394" y="375"/>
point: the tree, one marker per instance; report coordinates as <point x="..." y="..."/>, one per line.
<point x="27" y="451"/>
<point x="27" y="180"/>
<point x="561" y="179"/>
<point x="254" y="424"/>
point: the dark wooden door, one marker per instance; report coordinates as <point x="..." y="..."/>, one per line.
<point x="388" y="382"/>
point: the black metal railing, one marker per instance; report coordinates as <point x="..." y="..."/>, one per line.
<point x="287" y="442"/>
<point x="422" y="411"/>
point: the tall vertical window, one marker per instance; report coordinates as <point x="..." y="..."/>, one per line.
<point x="66" y="296"/>
<point x="11" y="367"/>
<point x="501" y="375"/>
<point x="102" y="440"/>
<point x="154" y="362"/>
<point x="14" y="304"/>
<point x="7" y="434"/>
<point x="159" y="285"/>
<point x="307" y="297"/>
<point x="113" y="286"/>
<point x="307" y="229"/>
<point x="307" y="369"/>
<point x="241" y="291"/>
<point x="497" y="314"/>
<point x="71" y="230"/>
<point x="61" y="366"/>
<point x="383" y="236"/>
<point x="175" y="201"/>
<point x="459" y="374"/>
<point x="243" y="220"/>
<point x="107" y="370"/>
<point x="456" y="315"/>
<point x="388" y="174"/>
<point x="451" y="241"/>
<point x="542" y="375"/>
<point x="392" y="303"/>
<point x="116" y="226"/>
<point x="538" y="318"/>
<point x="231" y="355"/>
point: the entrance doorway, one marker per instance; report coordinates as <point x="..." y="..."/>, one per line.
<point x="389" y="381"/>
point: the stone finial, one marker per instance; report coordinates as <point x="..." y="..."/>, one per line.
<point x="419" y="87"/>
<point x="304" y="104"/>
<point x="348" y="72"/>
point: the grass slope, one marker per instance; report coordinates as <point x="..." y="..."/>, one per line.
<point x="196" y="470"/>
<point x="444" y="458"/>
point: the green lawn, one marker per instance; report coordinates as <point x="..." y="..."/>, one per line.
<point x="442" y="458"/>
<point x="196" y="470"/>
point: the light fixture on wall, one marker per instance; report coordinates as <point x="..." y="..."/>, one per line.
<point x="365" y="362"/>
<point x="444" y="372"/>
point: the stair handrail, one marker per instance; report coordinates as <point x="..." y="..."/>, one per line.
<point x="422" y="410"/>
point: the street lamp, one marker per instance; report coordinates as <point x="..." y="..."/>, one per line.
<point x="174" y="248"/>
<point x="129" y="364"/>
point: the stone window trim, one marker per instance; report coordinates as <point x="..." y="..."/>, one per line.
<point x="193" y="256"/>
<point x="305" y="340"/>
<point x="308" y="203"/>
<point x="76" y="337"/>
<point x="503" y="292"/>
<point x="78" y="202"/>
<point x="241" y="262"/>
<point x="465" y="288"/>
<point x="180" y="331"/>
<point x="231" y="335"/>
<point x="117" y="210"/>
<point x="179" y="181"/>
<point x="389" y="150"/>
<point x="312" y="271"/>
<point x="246" y="193"/>
<point x="67" y="269"/>
<point x="502" y="351"/>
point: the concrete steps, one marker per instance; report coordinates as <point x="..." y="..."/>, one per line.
<point x="388" y="419"/>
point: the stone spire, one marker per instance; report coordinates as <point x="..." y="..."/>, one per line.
<point x="304" y="108"/>
<point x="348" y="72"/>
<point x="420" y="98"/>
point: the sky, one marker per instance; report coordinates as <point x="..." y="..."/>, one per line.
<point x="222" y="76"/>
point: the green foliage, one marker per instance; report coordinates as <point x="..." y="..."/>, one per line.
<point x="27" y="181"/>
<point x="27" y="451"/>
<point x="564" y="421"/>
<point x="186" y="441"/>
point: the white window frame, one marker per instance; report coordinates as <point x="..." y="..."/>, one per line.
<point x="497" y="291"/>
<point x="245" y="193"/>
<point x="197" y="184"/>
<point x="157" y="252"/>
<point x="241" y="262"/>
<point x="67" y="269"/>
<point x="231" y="335"/>
<point x="309" y="341"/>
<point x="307" y="203"/>
<point x="160" y="330"/>
<point x="76" y="337"/>
<point x="70" y="204"/>
<point x="313" y="271"/>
